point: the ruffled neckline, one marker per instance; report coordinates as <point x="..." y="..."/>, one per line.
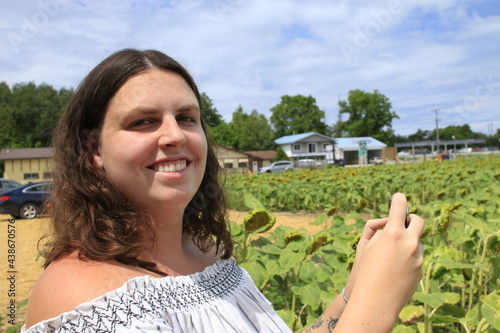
<point x="144" y="297"/>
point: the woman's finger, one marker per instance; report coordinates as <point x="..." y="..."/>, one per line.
<point x="397" y="213"/>
<point x="372" y="226"/>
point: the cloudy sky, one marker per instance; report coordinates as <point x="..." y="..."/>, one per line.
<point x="422" y="54"/>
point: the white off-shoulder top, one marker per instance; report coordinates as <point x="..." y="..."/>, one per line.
<point x="221" y="298"/>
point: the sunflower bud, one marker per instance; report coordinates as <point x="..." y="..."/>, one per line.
<point x="258" y="220"/>
<point x="292" y="237"/>
<point x="318" y="241"/>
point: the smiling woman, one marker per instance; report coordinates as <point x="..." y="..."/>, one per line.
<point x="139" y="239"/>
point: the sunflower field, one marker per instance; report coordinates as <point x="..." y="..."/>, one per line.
<point x="301" y="272"/>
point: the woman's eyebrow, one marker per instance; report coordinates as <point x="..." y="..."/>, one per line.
<point x="189" y="107"/>
<point x="140" y="110"/>
<point x="150" y="111"/>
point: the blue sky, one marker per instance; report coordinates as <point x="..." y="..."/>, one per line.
<point x="422" y="54"/>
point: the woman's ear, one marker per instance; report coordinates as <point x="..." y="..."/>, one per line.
<point x="92" y="142"/>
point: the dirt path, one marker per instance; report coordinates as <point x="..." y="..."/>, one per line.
<point x="26" y="269"/>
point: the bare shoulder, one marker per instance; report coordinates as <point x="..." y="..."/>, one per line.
<point x="70" y="282"/>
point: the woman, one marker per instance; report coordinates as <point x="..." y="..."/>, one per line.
<point x="139" y="237"/>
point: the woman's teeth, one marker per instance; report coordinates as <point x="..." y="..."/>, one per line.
<point x="171" y="167"/>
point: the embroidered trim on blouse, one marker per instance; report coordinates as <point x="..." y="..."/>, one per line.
<point x="145" y="298"/>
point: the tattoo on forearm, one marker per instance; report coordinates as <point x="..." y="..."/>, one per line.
<point x="331" y="323"/>
<point x="318" y="323"/>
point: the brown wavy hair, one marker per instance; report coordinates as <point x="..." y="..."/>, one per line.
<point x="89" y="214"/>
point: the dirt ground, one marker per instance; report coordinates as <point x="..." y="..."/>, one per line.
<point x="26" y="269"/>
<point x="20" y="270"/>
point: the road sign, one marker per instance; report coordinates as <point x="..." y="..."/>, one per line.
<point x="362" y="148"/>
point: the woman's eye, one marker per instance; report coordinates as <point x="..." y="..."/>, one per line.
<point x="141" y="122"/>
<point x="186" y="118"/>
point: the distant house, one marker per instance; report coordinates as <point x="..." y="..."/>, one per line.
<point x="348" y="148"/>
<point x="310" y="145"/>
<point x="260" y="158"/>
<point x="232" y="160"/>
<point x="27" y="164"/>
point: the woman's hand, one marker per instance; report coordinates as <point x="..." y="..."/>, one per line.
<point x="389" y="261"/>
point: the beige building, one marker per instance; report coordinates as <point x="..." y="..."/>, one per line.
<point x="232" y="160"/>
<point x="26" y="165"/>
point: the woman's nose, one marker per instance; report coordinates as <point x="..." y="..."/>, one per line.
<point x="171" y="134"/>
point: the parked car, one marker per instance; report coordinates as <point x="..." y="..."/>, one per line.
<point x="8" y="184"/>
<point x="310" y="163"/>
<point x="279" y="166"/>
<point x="376" y="160"/>
<point x="26" y="201"/>
<point x="339" y="162"/>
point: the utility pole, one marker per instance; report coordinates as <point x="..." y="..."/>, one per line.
<point x="437" y="129"/>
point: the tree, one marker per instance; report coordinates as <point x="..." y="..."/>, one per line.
<point x="419" y="135"/>
<point x="493" y="140"/>
<point x="251" y="131"/>
<point x="297" y="114"/>
<point x="369" y="115"/>
<point x="223" y="135"/>
<point x="7" y="125"/>
<point x="210" y="113"/>
<point x="460" y="132"/>
<point x="280" y="155"/>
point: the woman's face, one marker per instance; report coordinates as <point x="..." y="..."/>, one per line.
<point x="151" y="145"/>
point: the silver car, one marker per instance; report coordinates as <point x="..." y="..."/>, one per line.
<point x="279" y="166"/>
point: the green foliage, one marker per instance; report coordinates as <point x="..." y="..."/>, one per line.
<point x="301" y="272"/>
<point x="246" y="132"/>
<point x="459" y="131"/>
<point x="448" y="133"/>
<point x="14" y="329"/>
<point x="223" y="135"/>
<point x="369" y="115"/>
<point x="297" y="114"/>
<point x="280" y="155"/>
<point x="493" y="140"/>
<point x="29" y="113"/>
<point x="209" y="111"/>
<point x="251" y="131"/>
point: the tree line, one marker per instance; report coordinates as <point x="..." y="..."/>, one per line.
<point x="28" y="113"/>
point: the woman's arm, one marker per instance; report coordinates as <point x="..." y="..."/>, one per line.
<point x="386" y="272"/>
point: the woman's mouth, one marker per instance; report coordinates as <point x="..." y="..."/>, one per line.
<point x="170" y="166"/>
